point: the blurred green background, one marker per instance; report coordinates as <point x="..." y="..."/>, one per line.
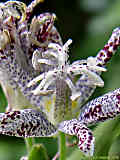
<point x="89" y="23"/>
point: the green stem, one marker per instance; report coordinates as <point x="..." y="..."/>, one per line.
<point x="62" y="146"/>
<point x="29" y="143"/>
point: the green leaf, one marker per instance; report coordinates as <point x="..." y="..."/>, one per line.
<point x="105" y="134"/>
<point x="114" y="151"/>
<point x="77" y="155"/>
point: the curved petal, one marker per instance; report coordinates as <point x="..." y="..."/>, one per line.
<point x="101" y="108"/>
<point x="26" y="123"/>
<point x="86" y="139"/>
<point x="105" y="54"/>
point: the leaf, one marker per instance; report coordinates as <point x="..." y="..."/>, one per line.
<point x="105" y="134"/>
<point x="114" y="152"/>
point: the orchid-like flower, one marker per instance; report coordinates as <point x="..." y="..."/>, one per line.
<point x="36" y="74"/>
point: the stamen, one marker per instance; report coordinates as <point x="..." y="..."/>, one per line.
<point x="45" y="61"/>
<point x="92" y="65"/>
<point x="66" y="45"/>
<point x="93" y="77"/>
<point x="48" y="79"/>
<point x="51" y="53"/>
<point x="42" y="92"/>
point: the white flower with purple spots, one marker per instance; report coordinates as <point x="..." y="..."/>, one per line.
<point x="34" y="52"/>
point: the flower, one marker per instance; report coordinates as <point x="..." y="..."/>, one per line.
<point x="34" y="52"/>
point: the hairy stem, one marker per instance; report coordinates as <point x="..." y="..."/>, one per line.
<point x="62" y="146"/>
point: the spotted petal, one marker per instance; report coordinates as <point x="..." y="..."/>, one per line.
<point x="25" y="123"/>
<point x="105" y="54"/>
<point x="102" y="108"/>
<point x="86" y="139"/>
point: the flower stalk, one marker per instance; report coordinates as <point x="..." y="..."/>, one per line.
<point x="62" y="146"/>
<point x="29" y="143"/>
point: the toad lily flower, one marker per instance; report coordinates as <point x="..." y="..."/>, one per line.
<point x="34" y="52"/>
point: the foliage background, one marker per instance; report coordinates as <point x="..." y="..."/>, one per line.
<point x="89" y="23"/>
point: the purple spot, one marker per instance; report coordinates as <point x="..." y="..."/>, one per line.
<point x="97" y="108"/>
<point x="111" y="43"/>
<point x="22" y="127"/>
<point x="106" y="59"/>
<point x="109" y="54"/>
<point x="106" y="48"/>
<point x="19" y="133"/>
<point x="59" y="49"/>
<point x="115" y="47"/>
<point x="90" y="137"/>
<point x="118" y="96"/>
<point x="81" y="148"/>
<point x="115" y="40"/>
<point x="87" y="115"/>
